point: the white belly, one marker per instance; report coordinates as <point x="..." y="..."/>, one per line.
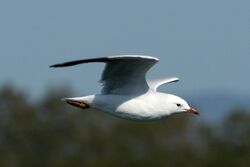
<point x="145" y="107"/>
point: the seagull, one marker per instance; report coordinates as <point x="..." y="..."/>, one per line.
<point x="125" y="91"/>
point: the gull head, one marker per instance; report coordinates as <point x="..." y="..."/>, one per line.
<point x="178" y="105"/>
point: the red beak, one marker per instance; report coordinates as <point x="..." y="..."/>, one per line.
<point x="192" y="110"/>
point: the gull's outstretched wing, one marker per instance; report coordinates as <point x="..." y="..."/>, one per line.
<point x="154" y="84"/>
<point x="122" y="74"/>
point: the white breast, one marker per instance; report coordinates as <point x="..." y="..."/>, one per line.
<point x="147" y="106"/>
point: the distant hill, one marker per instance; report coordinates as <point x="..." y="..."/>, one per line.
<point x="213" y="106"/>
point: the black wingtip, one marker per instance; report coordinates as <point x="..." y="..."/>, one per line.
<point x="52" y="66"/>
<point x="56" y="65"/>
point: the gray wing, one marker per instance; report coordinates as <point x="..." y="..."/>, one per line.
<point x="154" y="84"/>
<point x="122" y="74"/>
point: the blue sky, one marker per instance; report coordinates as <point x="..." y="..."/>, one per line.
<point x="205" y="43"/>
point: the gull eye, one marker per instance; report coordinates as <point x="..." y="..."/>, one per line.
<point x="178" y="105"/>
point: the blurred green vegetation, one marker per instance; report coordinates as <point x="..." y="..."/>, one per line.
<point x="51" y="133"/>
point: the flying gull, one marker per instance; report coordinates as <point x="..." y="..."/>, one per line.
<point x="126" y="93"/>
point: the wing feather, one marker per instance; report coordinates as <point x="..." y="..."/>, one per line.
<point x="154" y="84"/>
<point x="123" y="74"/>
